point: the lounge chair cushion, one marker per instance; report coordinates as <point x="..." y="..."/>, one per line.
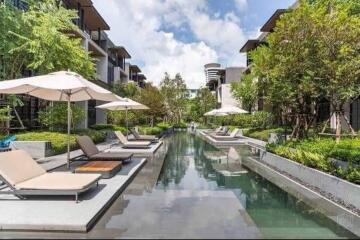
<point x="18" y="166"/>
<point x="142" y="137"/>
<point x="60" y="181"/>
<point x="233" y="135"/>
<point x="126" y="143"/>
<point x="87" y="145"/>
<point x="111" y="156"/>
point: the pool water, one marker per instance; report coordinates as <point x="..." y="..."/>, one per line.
<point x="190" y="189"/>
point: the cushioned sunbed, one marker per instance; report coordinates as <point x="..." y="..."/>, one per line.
<point x="232" y="136"/>
<point x="93" y="153"/>
<point x="138" y="137"/>
<point x="25" y="177"/>
<point x="133" y="144"/>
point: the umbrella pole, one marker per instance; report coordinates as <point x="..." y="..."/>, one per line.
<point x="127" y="130"/>
<point x="68" y="131"/>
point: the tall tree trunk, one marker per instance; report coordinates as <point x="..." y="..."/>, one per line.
<point x="338" y="127"/>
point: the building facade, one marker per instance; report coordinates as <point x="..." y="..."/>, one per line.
<point x="219" y="80"/>
<point x="110" y="61"/>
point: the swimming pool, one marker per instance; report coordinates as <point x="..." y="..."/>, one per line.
<point x="191" y="189"/>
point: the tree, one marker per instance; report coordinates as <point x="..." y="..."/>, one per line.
<point x="287" y="64"/>
<point x="37" y="40"/>
<point x="174" y="93"/>
<point x="202" y="103"/>
<point x="151" y="97"/>
<point x="339" y="47"/>
<point x="55" y="117"/>
<point x="245" y="91"/>
<point x="128" y="90"/>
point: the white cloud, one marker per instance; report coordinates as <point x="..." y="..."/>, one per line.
<point x="136" y="24"/>
<point x="241" y="5"/>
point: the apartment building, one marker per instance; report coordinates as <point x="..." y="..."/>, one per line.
<point x="352" y="110"/>
<point x="219" y="80"/>
<point x="109" y="59"/>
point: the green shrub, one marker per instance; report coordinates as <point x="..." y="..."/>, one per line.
<point x="261" y="134"/>
<point x="259" y="120"/>
<point x="96" y="136"/>
<point x="315" y="160"/>
<point x="180" y="125"/>
<point x="163" y="126"/>
<point x="150" y="130"/>
<point x="56" y="116"/>
<point x="59" y="140"/>
<point x="109" y="127"/>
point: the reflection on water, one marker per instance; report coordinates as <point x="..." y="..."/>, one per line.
<point x="190" y="189"/>
<point x="191" y="163"/>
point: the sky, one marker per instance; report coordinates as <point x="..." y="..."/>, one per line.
<point x="181" y="36"/>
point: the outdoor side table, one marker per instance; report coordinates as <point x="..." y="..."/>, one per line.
<point x="107" y="169"/>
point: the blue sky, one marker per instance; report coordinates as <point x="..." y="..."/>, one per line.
<point x="183" y="35"/>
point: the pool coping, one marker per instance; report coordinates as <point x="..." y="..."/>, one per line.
<point x="346" y="218"/>
<point x="337" y="213"/>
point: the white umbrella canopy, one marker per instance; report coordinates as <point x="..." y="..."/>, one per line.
<point x="126" y="104"/>
<point x="232" y="110"/>
<point x="59" y="86"/>
<point x="216" y="113"/>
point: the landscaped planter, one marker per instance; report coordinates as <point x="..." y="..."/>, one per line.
<point x="339" y="188"/>
<point x="37" y="149"/>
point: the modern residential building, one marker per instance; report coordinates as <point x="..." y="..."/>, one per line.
<point x="192" y="93"/>
<point x="352" y="110"/>
<point x="135" y="75"/>
<point x="219" y="80"/>
<point x="109" y="60"/>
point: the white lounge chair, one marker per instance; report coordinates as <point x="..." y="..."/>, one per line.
<point x="233" y="136"/>
<point x="25" y="177"/>
<point x="133" y="144"/>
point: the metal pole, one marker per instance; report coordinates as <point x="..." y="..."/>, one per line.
<point x="126" y="116"/>
<point x="68" y="131"/>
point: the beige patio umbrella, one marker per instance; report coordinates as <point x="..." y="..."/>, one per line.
<point x="124" y="105"/>
<point x="61" y="86"/>
<point x="216" y="113"/>
<point x="231" y="110"/>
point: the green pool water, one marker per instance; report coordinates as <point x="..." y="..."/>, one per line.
<point x="191" y="164"/>
<point x="190" y="189"/>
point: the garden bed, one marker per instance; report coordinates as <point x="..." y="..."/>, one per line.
<point x="327" y="183"/>
<point x="59" y="140"/>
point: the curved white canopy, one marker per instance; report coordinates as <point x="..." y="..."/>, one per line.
<point x="232" y="110"/>
<point x="215" y="112"/>
<point x="125" y="104"/>
<point x="58" y="86"/>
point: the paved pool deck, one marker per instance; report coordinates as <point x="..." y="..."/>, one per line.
<point x="141" y="152"/>
<point x="63" y="213"/>
<point x="223" y="143"/>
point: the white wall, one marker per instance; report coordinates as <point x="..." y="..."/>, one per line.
<point x="227" y="98"/>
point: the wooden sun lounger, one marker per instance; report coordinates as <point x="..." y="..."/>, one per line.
<point x="25" y="177"/>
